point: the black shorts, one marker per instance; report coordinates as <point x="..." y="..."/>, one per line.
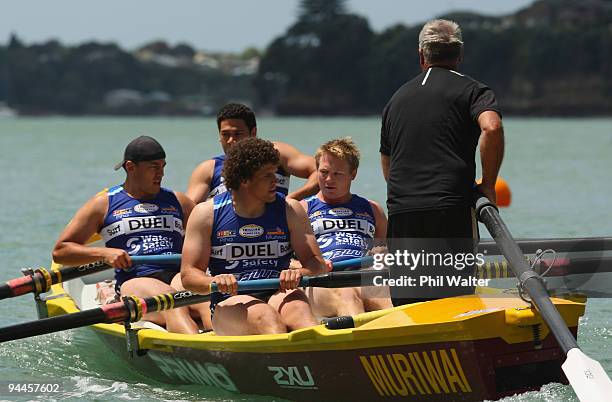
<point x="449" y="223"/>
<point x="263" y="295"/>
<point x="453" y="230"/>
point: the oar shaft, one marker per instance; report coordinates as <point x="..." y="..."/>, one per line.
<point x="134" y="308"/>
<point x="52" y="324"/>
<point x="42" y="280"/>
<point x="354" y="263"/>
<point x="330" y="280"/>
<point x="528" y="278"/>
<point x="560" y="245"/>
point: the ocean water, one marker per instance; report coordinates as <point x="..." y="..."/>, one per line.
<point x="559" y="171"/>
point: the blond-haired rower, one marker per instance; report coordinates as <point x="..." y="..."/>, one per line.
<point x="346" y="226"/>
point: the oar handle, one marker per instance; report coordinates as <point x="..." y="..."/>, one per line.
<point x="5" y="291"/>
<point x="162" y="259"/>
<point x="274" y="283"/>
<point x="133" y="308"/>
<point x="329" y="280"/>
<point x="41" y="280"/>
<point x="528" y="278"/>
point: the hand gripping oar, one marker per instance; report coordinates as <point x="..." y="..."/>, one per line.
<point x="587" y="376"/>
<point x="42" y="279"/>
<point x="133" y="308"/>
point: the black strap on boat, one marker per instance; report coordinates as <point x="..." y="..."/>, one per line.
<point x="131" y="334"/>
<point x="342" y="322"/>
<point x="39" y="287"/>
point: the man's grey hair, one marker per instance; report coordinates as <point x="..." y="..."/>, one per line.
<point x="440" y="41"/>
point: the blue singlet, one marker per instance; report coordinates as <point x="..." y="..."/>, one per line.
<point x="150" y="227"/>
<point x="343" y="231"/>
<point x="249" y="248"/>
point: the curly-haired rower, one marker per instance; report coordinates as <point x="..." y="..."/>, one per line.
<point x="244" y="161"/>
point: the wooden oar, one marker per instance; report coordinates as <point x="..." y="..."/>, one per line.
<point x="586" y="376"/>
<point x="42" y="280"/>
<point x="133" y="308"/>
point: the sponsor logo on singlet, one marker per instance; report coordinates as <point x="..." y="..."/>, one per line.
<point x="363" y="215"/>
<point x="282" y="181"/>
<point x="149" y="244"/>
<point x="137" y="224"/>
<point x="343" y="252"/>
<point x="276" y="232"/>
<point x="250" y="251"/>
<point x="340" y="211"/>
<point x="251" y="230"/>
<point x="220" y="189"/>
<point x="122" y="212"/>
<point x="225" y="233"/>
<point x="315" y="214"/>
<point x="322" y="226"/>
<point x="325" y="240"/>
<point x="146" y="208"/>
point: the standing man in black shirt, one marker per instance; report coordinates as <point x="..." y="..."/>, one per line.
<point x="430" y="131"/>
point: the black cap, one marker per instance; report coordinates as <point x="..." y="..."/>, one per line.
<point x="143" y="148"/>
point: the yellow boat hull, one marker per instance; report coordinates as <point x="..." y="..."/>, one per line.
<point x="476" y="347"/>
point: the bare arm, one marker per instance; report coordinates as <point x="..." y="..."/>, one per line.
<point x="303" y="240"/>
<point x="491" y="150"/>
<point x="384" y="161"/>
<point x="70" y="248"/>
<point x="200" y="181"/>
<point x="380" y="235"/>
<point x="196" y="249"/>
<point x="300" y="165"/>
<point x="187" y="205"/>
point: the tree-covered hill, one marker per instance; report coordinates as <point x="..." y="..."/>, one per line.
<point x="553" y="57"/>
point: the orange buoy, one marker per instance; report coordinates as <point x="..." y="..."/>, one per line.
<point x="502" y="192"/>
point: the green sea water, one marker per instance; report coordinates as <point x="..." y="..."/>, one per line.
<point x="559" y="170"/>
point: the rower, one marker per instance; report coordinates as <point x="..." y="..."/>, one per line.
<point x="249" y="233"/>
<point x="236" y="122"/>
<point x="138" y="217"/>
<point x="346" y="226"/>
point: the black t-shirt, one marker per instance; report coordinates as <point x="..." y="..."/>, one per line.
<point x="430" y="133"/>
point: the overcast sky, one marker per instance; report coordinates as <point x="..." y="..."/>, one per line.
<point x="214" y="25"/>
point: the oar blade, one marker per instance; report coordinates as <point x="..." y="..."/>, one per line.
<point x="587" y="377"/>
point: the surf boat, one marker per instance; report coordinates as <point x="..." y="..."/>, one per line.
<point x="483" y="346"/>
